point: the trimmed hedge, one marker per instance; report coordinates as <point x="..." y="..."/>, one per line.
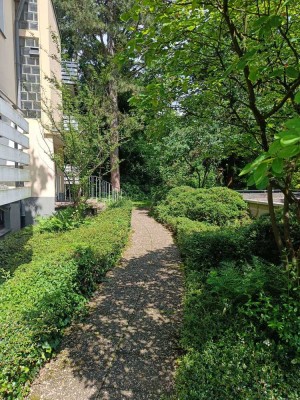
<point x="43" y="294"/>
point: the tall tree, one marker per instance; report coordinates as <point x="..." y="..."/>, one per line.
<point x="93" y="35"/>
<point x="244" y="53"/>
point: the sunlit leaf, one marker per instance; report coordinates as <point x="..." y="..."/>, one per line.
<point x="289" y="151"/>
<point x="275" y="147"/>
<point x="263" y="183"/>
<point x="293" y="123"/>
<point x="253" y="74"/>
<point x="297" y="98"/>
<point x="277" y="165"/>
<point x="260" y="172"/>
<point x="251" y="181"/>
<point x="289" y="140"/>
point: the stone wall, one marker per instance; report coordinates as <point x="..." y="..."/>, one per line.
<point x="29" y="17"/>
<point x="30" y="86"/>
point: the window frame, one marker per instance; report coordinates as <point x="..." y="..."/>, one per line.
<point x="2" y="20"/>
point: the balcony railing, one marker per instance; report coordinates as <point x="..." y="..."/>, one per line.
<point x="97" y="189"/>
<point x="13" y="159"/>
<point x="70" y="123"/>
<point x="69" y="72"/>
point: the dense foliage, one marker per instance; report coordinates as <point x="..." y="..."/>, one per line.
<point x="65" y="219"/>
<point x="241" y="309"/>
<point x="60" y="270"/>
<point x="219" y="206"/>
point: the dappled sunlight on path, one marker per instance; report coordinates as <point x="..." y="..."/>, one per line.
<point x="127" y="346"/>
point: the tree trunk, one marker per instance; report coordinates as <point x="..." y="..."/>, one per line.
<point x="114" y="138"/>
<point x="275" y="228"/>
<point x="114" y="120"/>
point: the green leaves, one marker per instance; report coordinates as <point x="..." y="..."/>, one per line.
<point x="265" y="24"/>
<point x="284" y="149"/>
<point x="292" y="72"/>
<point x="254" y="73"/>
<point x="277" y="166"/>
<point x="297" y="98"/>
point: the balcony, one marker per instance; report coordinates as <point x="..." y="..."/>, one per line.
<point x="69" y="72"/>
<point x="70" y="123"/>
<point x="13" y="159"/>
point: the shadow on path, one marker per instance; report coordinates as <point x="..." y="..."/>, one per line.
<point x="127" y="346"/>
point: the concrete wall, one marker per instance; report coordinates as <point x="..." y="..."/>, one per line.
<point x="15" y="216"/>
<point x="42" y="168"/>
<point x="257" y="208"/>
<point x="39" y="100"/>
<point x="38" y="206"/>
<point x="8" y="80"/>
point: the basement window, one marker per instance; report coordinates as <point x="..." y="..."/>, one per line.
<point x="1" y="219"/>
<point x="2" y="25"/>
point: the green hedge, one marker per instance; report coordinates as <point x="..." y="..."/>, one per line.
<point x="241" y="334"/>
<point x="241" y="312"/>
<point x="220" y="206"/>
<point x="41" y="297"/>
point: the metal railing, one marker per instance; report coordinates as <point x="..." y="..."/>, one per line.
<point x="102" y="190"/>
<point x="97" y="189"/>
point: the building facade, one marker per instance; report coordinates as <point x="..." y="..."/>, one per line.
<point x="29" y="59"/>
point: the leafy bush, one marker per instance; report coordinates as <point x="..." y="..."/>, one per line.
<point x="214" y="299"/>
<point x="261" y="239"/>
<point x="241" y="313"/>
<point x="206" y="248"/>
<point x="43" y="294"/>
<point x="63" y="220"/>
<point x="133" y="191"/>
<point x="236" y="368"/>
<point x="15" y="249"/>
<point x="220" y="206"/>
<point x="281" y="315"/>
<point x="241" y="336"/>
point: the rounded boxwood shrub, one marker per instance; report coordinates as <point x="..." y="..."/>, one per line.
<point x="220" y="206"/>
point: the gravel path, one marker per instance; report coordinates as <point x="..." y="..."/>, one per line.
<point x="127" y="346"/>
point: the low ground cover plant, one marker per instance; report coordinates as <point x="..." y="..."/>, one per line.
<point x="241" y="307"/>
<point x="45" y="292"/>
<point x="64" y="219"/>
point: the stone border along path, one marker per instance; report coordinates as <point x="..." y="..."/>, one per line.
<point x="127" y="346"/>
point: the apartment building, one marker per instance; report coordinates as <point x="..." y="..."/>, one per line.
<point x="29" y="56"/>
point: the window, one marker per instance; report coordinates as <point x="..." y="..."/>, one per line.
<point x="1" y="219"/>
<point x="2" y="16"/>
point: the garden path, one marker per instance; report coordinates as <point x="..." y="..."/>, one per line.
<point x="127" y="346"/>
